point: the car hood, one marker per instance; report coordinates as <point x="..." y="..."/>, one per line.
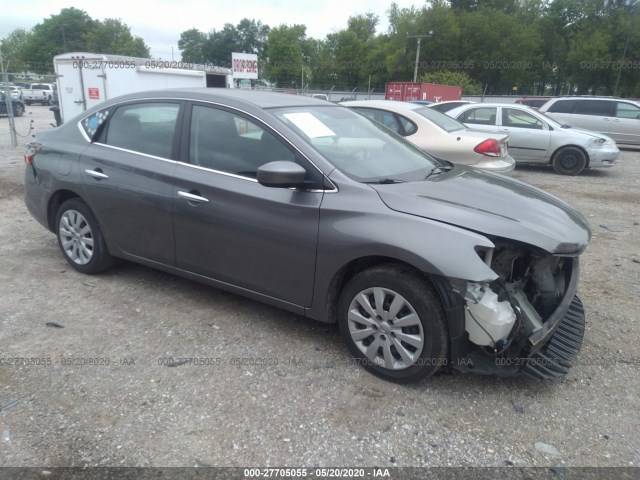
<point x="494" y="205"/>
<point x="582" y="132"/>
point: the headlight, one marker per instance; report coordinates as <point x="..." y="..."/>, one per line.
<point x="598" y="142"/>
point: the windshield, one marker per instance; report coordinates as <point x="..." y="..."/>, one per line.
<point x="549" y="120"/>
<point x="443" y="121"/>
<point x="360" y="148"/>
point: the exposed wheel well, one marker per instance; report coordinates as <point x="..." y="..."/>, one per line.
<point x="55" y="201"/>
<point x="347" y="272"/>
<point x="586" y="155"/>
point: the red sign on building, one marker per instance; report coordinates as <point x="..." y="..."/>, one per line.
<point x="94" y="93"/>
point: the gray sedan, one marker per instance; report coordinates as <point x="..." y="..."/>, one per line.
<point x="311" y="207"/>
<point x="536" y="138"/>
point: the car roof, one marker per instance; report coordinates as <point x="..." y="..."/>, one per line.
<point x="453" y="101"/>
<point x="497" y="104"/>
<point x="589" y="97"/>
<point x="388" y="104"/>
<point x="230" y="96"/>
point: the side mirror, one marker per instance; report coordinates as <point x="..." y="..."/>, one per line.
<point x="281" y="174"/>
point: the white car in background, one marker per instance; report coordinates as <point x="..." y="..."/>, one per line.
<point x="444" y="107"/>
<point x="439" y="135"/>
<point x="536" y="138"/>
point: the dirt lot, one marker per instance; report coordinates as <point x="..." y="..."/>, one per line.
<point x="310" y="404"/>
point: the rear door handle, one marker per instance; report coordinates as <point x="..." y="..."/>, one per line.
<point x="97" y="174"/>
<point x="192" y="198"/>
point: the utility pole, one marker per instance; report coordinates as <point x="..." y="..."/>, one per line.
<point x="419" y="37"/>
<point x="633" y="8"/>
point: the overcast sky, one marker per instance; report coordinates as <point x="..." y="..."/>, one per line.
<point x="160" y="23"/>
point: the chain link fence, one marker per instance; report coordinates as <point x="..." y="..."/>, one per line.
<point x="15" y="124"/>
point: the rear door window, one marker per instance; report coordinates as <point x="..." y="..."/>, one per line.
<point x="388" y="119"/>
<point x="600" y="108"/>
<point x="479" y="116"/>
<point x="147" y="128"/>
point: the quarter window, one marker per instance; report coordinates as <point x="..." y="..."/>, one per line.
<point x="627" y="110"/>
<point x="512" y="117"/>
<point x="146" y="128"/>
<point x="409" y="127"/>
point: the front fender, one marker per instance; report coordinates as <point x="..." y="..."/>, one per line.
<point x="357" y="226"/>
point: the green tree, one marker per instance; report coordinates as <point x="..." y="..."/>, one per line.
<point x="221" y="44"/>
<point x="64" y="32"/>
<point x="192" y="44"/>
<point x="111" y="36"/>
<point x="285" y="54"/>
<point x="216" y="47"/>
<point x="12" y="48"/>
<point x="252" y="35"/>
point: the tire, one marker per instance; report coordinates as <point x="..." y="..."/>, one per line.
<point x="401" y="289"/>
<point x="80" y="238"/>
<point x="27" y="102"/>
<point x="18" y="111"/>
<point x="569" y="161"/>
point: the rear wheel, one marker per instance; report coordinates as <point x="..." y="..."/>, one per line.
<point x="80" y="239"/>
<point x="569" y="161"/>
<point x="393" y="323"/>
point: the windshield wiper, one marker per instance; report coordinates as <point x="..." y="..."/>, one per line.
<point x="439" y="169"/>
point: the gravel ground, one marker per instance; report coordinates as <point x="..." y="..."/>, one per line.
<point x="310" y="404"/>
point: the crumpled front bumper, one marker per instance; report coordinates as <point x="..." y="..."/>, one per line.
<point x="552" y="359"/>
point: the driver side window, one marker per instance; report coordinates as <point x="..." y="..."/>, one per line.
<point x="512" y="117"/>
<point x="223" y="141"/>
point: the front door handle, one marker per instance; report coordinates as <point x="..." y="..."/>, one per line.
<point x="97" y="174"/>
<point x="192" y="198"/>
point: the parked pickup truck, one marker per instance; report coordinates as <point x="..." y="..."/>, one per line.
<point x="43" y="93"/>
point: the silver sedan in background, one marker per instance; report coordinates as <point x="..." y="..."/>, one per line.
<point x="439" y="135"/>
<point x="536" y="138"/>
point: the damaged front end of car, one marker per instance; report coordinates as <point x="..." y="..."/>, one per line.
<point x="526" y="320"/>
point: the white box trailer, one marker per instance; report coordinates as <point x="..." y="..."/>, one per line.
<point x="87" y="79"/>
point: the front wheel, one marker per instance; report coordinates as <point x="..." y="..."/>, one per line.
<point x="393" y="323"/>
<point x="80" y="239"/>
<point x="569" y="161"/>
